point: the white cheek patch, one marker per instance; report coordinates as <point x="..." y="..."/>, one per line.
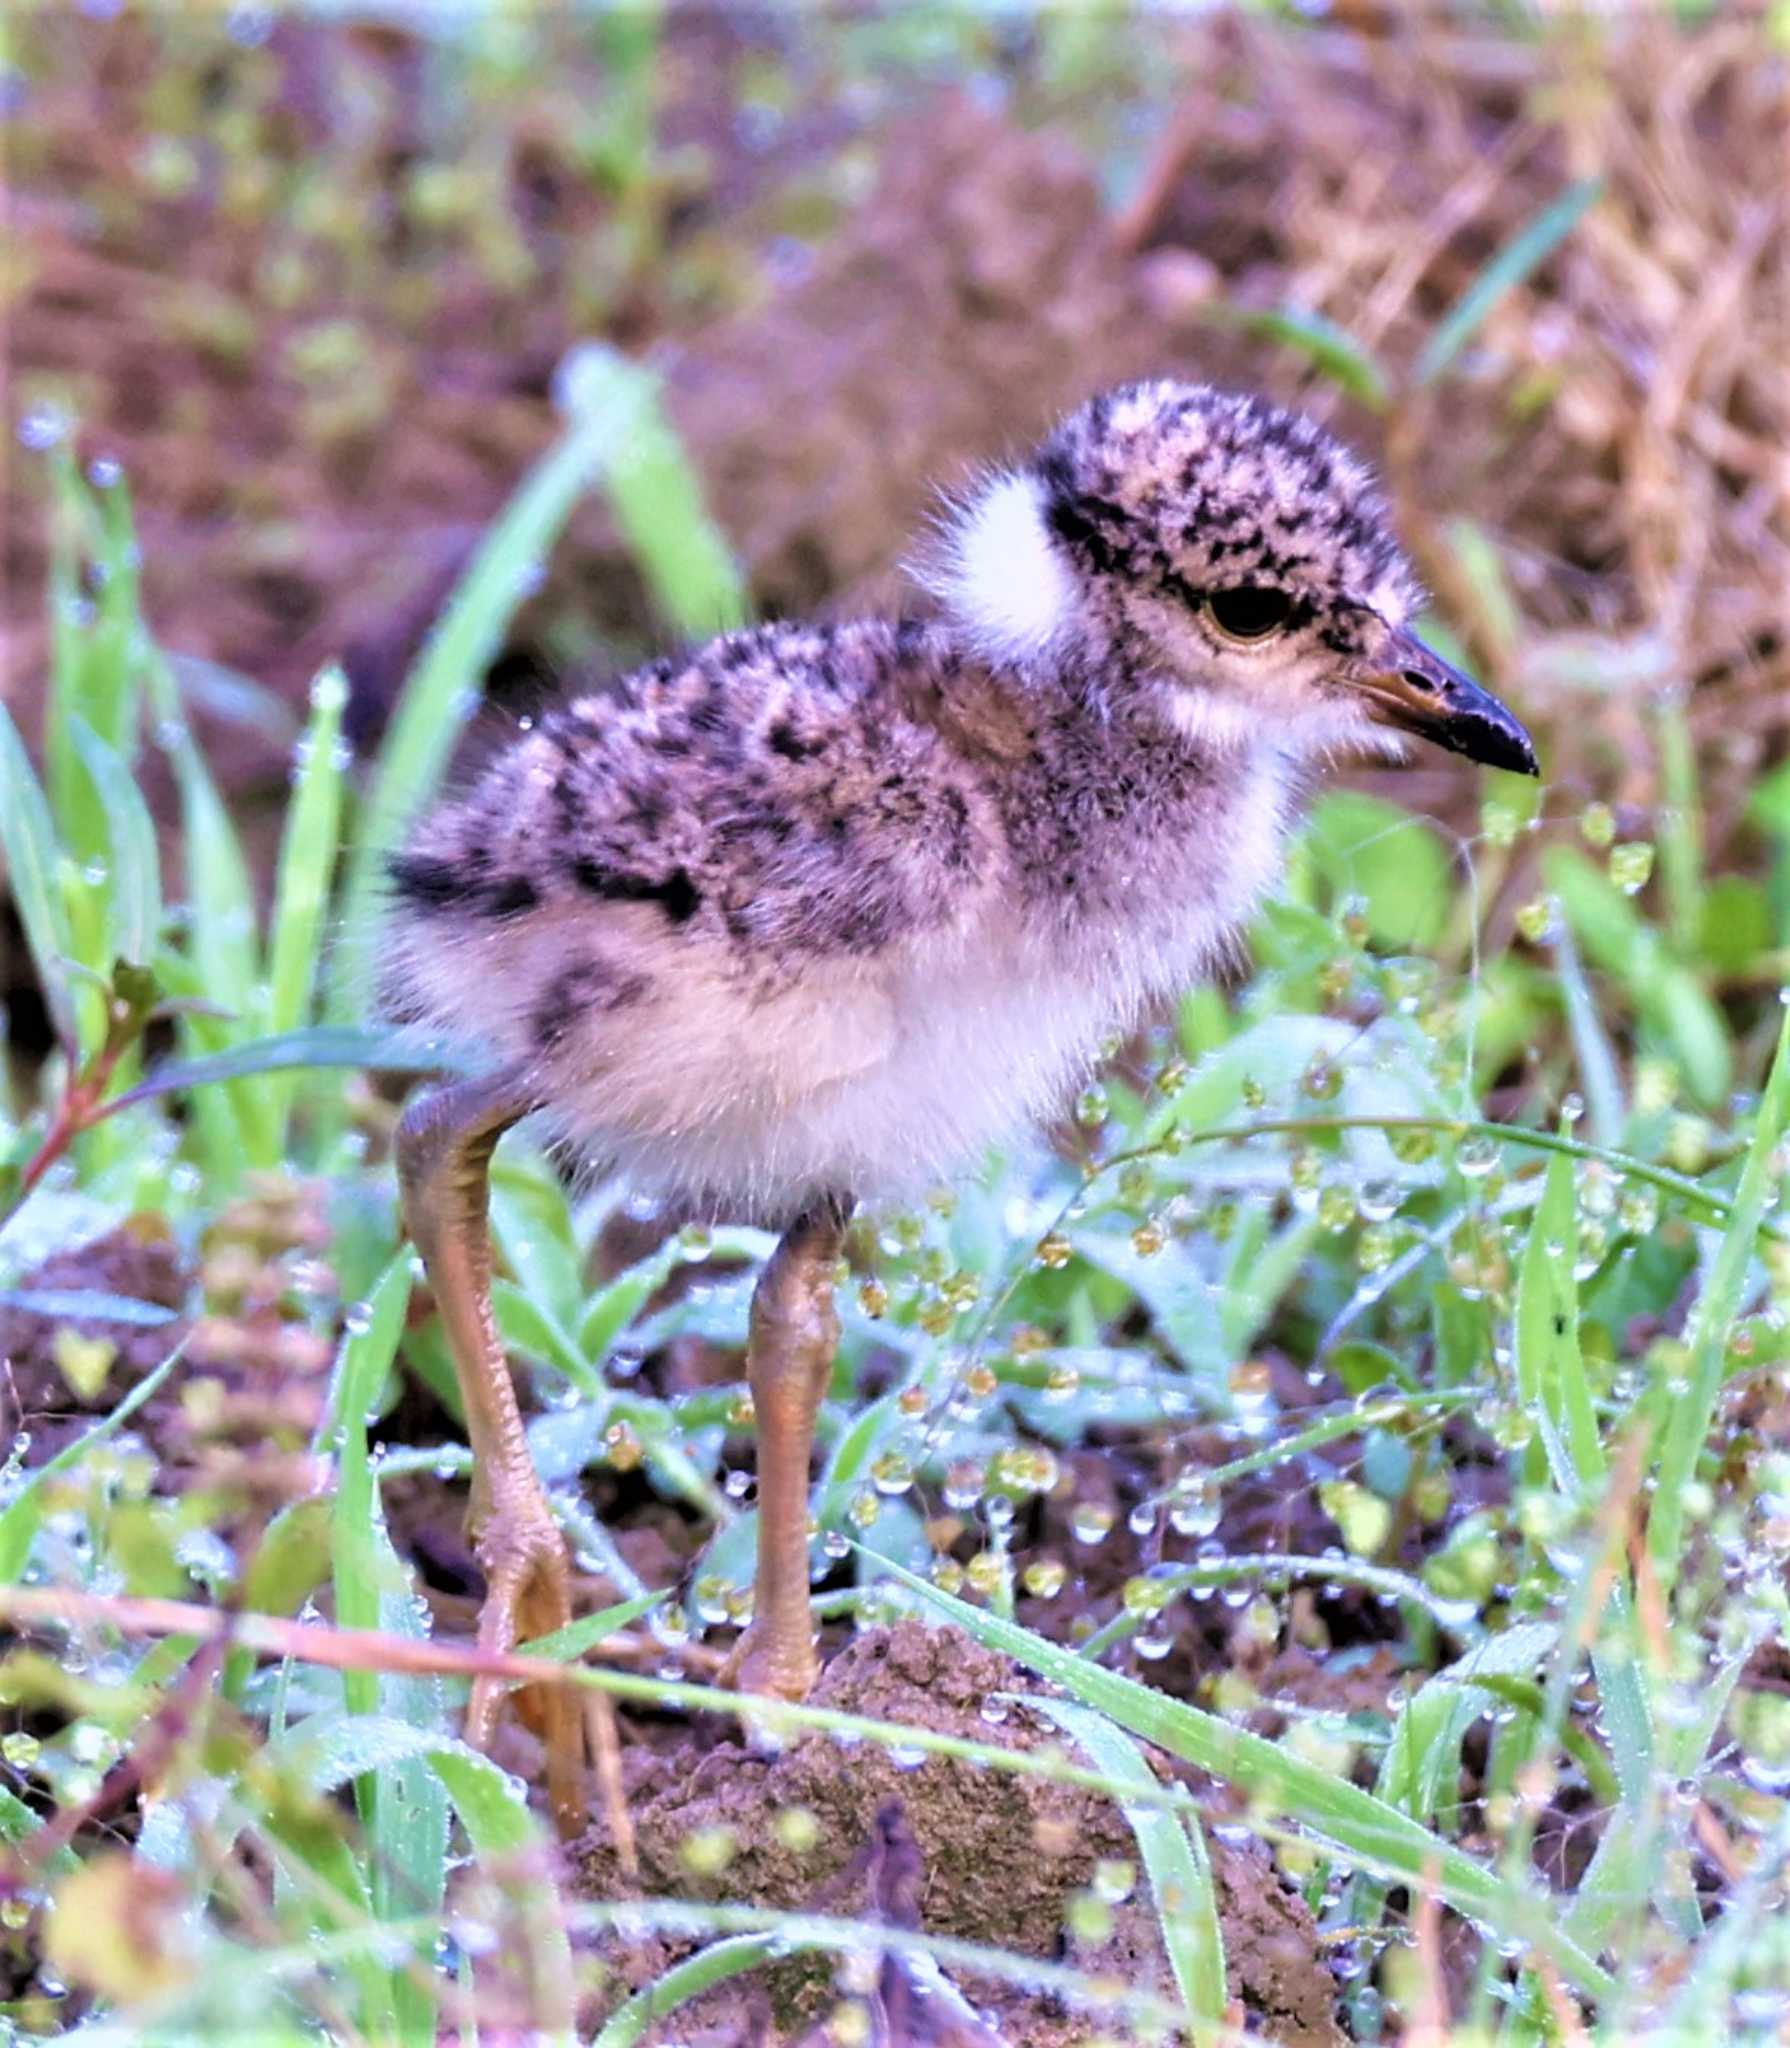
<point x="1002" y="573"/>
<point x="1319" y="731"/>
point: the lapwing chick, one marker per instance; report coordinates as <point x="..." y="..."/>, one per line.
<point x="819" y="912"/>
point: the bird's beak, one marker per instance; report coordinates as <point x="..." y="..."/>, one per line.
<point x="1411" y="686"/>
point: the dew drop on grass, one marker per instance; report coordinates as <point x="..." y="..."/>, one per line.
<point x="1090" y="1521"/>
<point x="1476" y="1156"/>
<point x="1631" y="865"/>
<point x="963" y="1484"/>
<point x="1376" y="1248"/>
<point x="43" y="426"/>
<point x="1194" y="1504"/>
<point x="1092" y="1107"/>
<point x="1322" y="1080"/>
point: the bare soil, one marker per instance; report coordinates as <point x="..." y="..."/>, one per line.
<point x="990" y="1857"/>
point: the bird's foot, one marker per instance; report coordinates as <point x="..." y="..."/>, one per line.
<point x="773" y="1664"/>
<point x="528" y="1593"/>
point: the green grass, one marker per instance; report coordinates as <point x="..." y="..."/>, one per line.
<point x="1546" y="1352"/>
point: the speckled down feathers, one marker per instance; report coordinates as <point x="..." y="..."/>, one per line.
<point x="823" y="910"/>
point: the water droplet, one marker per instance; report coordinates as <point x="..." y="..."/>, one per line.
<point x="43" y="426"/>
<point x="1194" y="1504"/>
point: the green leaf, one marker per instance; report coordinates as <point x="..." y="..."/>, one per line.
<point x="1327" y="347"/>
<point x="1550" y="1366"/>
<point x="1420" y="1772"/>
<point x="1175" y="1859"/>
<point x="615" y="1305"/>
<point x="491" y="1807"/>
<point x="714" y="1963"/>
<point x="1667" y="995"/>
<point x="656" y="494"/>
<point x="320" y="1045"/>
<point x="289" y="1563"/>
<point x="134" y="891"/>
<point x="1523" y="254"/>
<point x="1391" y="860"/>
<point x="28" y="839"/>
<point x="1734" y="925"/>
<point x="531" y="1221"/>
<point x="569" y="1643"/>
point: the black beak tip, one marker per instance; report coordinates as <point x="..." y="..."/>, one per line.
<point x="1514" y="750"/>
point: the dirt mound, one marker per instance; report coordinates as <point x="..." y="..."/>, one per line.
<point x="979" y="1855"/>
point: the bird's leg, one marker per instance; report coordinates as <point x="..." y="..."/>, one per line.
<point x="445" y="1142"/>
<point x="789" y="1358"/>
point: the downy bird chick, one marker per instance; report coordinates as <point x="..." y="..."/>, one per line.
<point x="820" y="911"/>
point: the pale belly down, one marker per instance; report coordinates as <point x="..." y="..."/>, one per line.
<point x="868" y="1084"/>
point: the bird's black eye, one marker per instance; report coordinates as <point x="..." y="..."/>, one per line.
<point x="1249" y="611"/>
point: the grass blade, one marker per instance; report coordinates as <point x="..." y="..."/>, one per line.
<point x="1524" y="253"/>
<point x="1328" y="348"/>
<point x="1550" y="1366"/>
<point x="134" y="895"/>
<point x="442" y="690"/>
<point x="657" y="496"/>
<point x="402" y="1804"/>
<point x="308" y="849"/>
<point x="319" y="1045"/>
<point x="1686" y="1429"/>
<point x="28" y="838"/>
<point x="1363" y="1829"/>
<point x="1175" y="1860"/>
<point x="20" y="1517"/>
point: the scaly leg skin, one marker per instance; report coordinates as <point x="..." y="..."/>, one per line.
<point x="789" y="1358"/>
<point x="445" y="1142"/>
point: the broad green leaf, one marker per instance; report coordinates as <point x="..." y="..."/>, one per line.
<point x="1392" y="861"/>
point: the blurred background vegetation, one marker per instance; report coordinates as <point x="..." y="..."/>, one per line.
<point x="371" y="370"/>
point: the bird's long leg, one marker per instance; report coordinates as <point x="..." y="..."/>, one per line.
<point x="789" y="1356"/>
<point x="445" y="1142"/>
